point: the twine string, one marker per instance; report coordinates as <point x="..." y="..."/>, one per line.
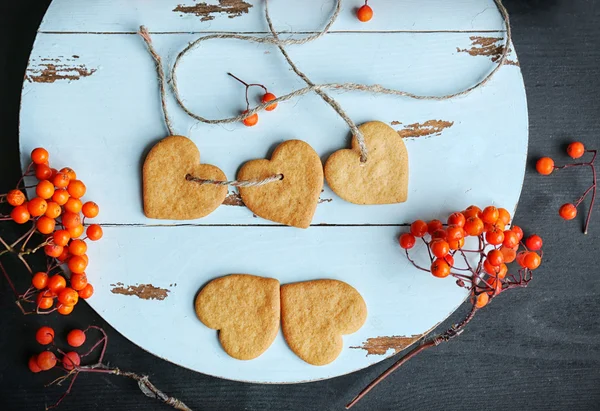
<point x="236" y="183"/>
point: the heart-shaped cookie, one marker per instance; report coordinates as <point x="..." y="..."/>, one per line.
<point x="382" y="179"/>
<point x="167" y="193"/>
<point x="245" y="310"/>
<point x="293" y="200"/>
<point x="315" y="315"/>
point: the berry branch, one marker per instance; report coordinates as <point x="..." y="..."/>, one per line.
<point x="545" y="166"/>
<point x="495" y="246"/>
<point x="253" y="119"/>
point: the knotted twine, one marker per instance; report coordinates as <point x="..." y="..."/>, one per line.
<point x="317" y="88"/>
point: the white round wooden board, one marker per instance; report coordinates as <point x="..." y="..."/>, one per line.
<point x="90" y="97"/>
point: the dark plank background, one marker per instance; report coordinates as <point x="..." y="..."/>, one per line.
<point x="536" y="348"/>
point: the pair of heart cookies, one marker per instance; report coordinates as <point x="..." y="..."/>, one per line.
<point x="292" y="201"/>
<point x="247" y="311"/>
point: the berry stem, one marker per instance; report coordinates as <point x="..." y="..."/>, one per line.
<point x="10" y="283"/>
<point x="247" y="88"/>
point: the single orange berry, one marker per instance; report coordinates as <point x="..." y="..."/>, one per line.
<point x="61" y="237"/>
<point x="440" y="233"/>
<point x="94" y="232"/>
<point x="76" y="231"/>
<point x="502" y="272"/>
<point x="480" y="300"/>
<point x="576" y="149"/>
<point x="61" y="196"/>
<point x="440" y="268"/>
<point x="44" y="335"/>
<point x="455" y="233"/>
<point x="43" y="302"/>
<point x="364" y="13"/>
<point x="269" y="97"/>
<point x="64" y="256"/>
<point x="494" y="236"/>
<point x="20" y="214"/>
<point x="407" y="241"/>
<point x="71" y="360"/>
<point x="545" y="166"/>
<point x="45" y="225"/>
<point x="78" y="247"/>
<point x="534" y="242"/>
<point x="57" y="283"/>
<point x="70" y="219"/>
<point x="489" y="268"/>
<point x="68" y="296"/>
<point x="509" y="254"/>
<point x="76" y="338"/>
<point x="69" y="172"/>
<point x="44" y="189"/>
<point x="439" y="248"/>
<point x="250" y="121"/>
<point x="495" y="257"/>
<point x="472" y="211"/>
<point x="503" y="216"/>
<point x="86" y="258"/>
<point x="77" y="264"/>
<point x="53" y="250"/>
<point x="64" y="309"/>
<point x="518" y="231"/>
<point x="39" y="280"/>
<point x="78" y="281"/>
<point x="39" y="156"/>
<point x="90" y="209"/>
<point x="473" y="226"/>
<point x="46" y="360"/>
<point x="86" y="292"/>
<point x="532" y="260"/>
<point x="521" y="258"/>
<point x="434" y="225"/>
<point x="456" y="244"/>
<point x="37" y="207"/>
<point x="418" y="228"/>
<point x="73" y="205"/>
<point x="53" y="210"/>
<point x="61" y="180"/>
<point x="490" y="215"/>
<point x="76" y="188"/>
<point x="15" y="198"/>
<point x="450" y="260"/>
<point x="457" y="219"/>
<point x="42" y="172"/>
<point x="32" y="364"/>
<point x="568" y="211"/>
<point x="511" y="239"/>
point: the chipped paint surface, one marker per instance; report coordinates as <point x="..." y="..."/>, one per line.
<point x="488" y="47"/>
<point x="233" y="8"/>
<point x="428" y="128"/>
<point x="49" y="70"/>
<point x="381" y="345"/>
<point x="143" y="291"/>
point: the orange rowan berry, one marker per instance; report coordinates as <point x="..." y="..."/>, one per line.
<point x="449" y="259"/>
<point x="53" y="250"/>
<point x="440" y="268"/>
<point x="15" y="198"/>
<point x="269" y="97"/>
<point x="46" y="360"/>
<point x="20" y="214"/>
<point x="490" y="215"/>
<point x="73" y="205"/>
<point x="455" y="233"/>
<point x="75" y="338"/>
<point x="86" y="292"/>
<point x="490" y="268"/>
<point x="53" y="210"/>
<point x="32" y="364"/>
<point x="94" y="232"/>
<point x="86" y="258"/>
<point x="502" y="271"/>
<point x="545" y="166"/>
<point x="64" y="256"/>
<point x="78" y="281"/>
<point x="481" y="300"/>
<point x="71" y="360"/>
<point x="434" y="225"/>
<point x="76" y="231"/>
<point x="521" y="258"/>
<point x="45" y="225"/>
<point x="440" y="233"/>
<point x="61" y="180"/>
<point x="576" y="149"/>
<point x="42" y="172"/>
<point x="60" y="196"/>
<point x="532" y="260"/>
<point x="90" y="209"/>
<point x="418" y="228"/>
<point x="457" y="219"/>
<point x="70" y="219"/>
<point x="56" y="283"/>
<point x="534" y="242"/>
<point x="364" y="13"/>
<point x="511" y="239"/>
<point x="439" y="248"/>
<point x="37" y="207"/>
<point x="39" y="156"/>
<point x="69" y="172"/>
<point x="495" y="257"/>
<point x="44" y="335"/>
<point x="494" y="236"/>
<point x="68" y="296"/>
<point x="44" y="189"/>
<point x="472" y="211"/>
<point x="250" y="121"/>
<point x="64" y="309"/>
<point x="456" y="244"/>
<point x="503" y="216"/>
<point x="568" y="211"/>
<point x="473" y="226"/>
<point x="43" y="302"/>
<point x="517" y="230"/>
<point x="407" y="241"/>
<point x="76" y="188"/>
<point x="509" y="254"/>
<point x="77" y="264"/>
<point x="77" y="247"/>
<point x="39" y="280"/>
<point x="61" y="237"/>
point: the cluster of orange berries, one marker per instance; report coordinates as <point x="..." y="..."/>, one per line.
<point x="266" y="97"/>
<point x="46" y="360"/>
<point x="365" y="12"/>
<point x="57" y="212"/>
<point x="545" y="166"/>
<point x="498" y="247"/>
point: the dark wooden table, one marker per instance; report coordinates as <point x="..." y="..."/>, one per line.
<point x="537" y="348"/>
